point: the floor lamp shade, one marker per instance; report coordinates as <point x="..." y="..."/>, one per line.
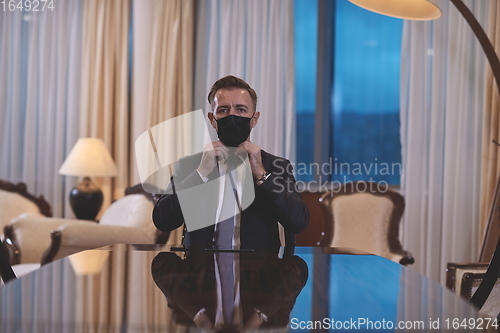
<point x="420" y="10"/>
<point x="89" y="157"/>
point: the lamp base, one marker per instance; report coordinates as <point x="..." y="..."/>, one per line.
<point x="86" y="199"/>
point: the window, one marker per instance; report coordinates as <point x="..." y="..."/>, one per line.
<point x="365" y="96"/>
<point x="306" y="45"/>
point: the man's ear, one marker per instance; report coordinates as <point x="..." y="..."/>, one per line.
<point x="255" y="119"/>
<point x="212" y="120"/>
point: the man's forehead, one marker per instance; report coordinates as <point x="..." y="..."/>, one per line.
<point x="226" y="94"/>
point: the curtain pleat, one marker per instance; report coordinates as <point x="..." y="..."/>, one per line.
<point x="150" y="310"/>
<point x="39" y="96"/>
<point x="163" y="74"/>
<point x="490" y="167"/>
<point x="442" y="105"/>
<point x="257" y="47"/>
<point x="170" y="65"/>
<point x="104" y="107"/>
<point x="122" y="295"/>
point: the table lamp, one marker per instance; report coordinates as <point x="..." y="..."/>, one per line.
<point x="89" y="157"/>
<point x="88" y="262"/>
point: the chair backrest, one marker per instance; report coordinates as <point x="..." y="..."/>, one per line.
<point x="132" y="210"/>
<point x="365" y="216"/>
<point x="455" y="273"/>
<point x="161" y="237"/>
<point x="135" y="210"/>
<point x="490" y="277"/>
<point x="15" y="200"/>
<point x="469" y="286"/>
<point x="314" y="235"/>
<point x="139" y="189"/>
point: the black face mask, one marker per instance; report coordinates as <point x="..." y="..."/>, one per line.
<point x="233" y="130"/>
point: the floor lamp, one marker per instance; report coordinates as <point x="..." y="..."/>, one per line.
<point x="426" y="10"/>
<point x="423" y="10"/>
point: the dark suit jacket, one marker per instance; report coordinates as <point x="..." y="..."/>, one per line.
<point x="276" y="200"/>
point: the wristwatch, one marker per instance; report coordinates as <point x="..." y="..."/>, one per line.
<point x="265" y="175"/>
<point x="262" y="316"/>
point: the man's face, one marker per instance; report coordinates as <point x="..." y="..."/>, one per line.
<point x="233" y="102"/>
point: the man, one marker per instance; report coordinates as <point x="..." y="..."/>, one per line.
<point x="276" y="200"/>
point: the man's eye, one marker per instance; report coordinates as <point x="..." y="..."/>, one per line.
<point x="222" y="111"/>
<point x="242" y="110"/>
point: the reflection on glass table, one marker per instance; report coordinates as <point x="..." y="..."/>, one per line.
<point x="129" y="288"/>
<point x="230" y="291"/>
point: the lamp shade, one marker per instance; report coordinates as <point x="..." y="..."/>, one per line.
<point x="88" y="262"/>
<point x="89" y="157"/>
<point x="420" y="10"/>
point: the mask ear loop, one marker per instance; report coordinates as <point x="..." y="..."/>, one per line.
<point x="254" y="112"/>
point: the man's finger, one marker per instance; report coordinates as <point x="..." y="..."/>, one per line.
<point x="241" y="153"/>
<point x="224" y="151"/>
<point x="209" y="147"/>
<point x="221" y="146"/>
<point x="221" y="153"/>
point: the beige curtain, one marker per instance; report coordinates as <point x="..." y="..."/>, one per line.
<point x="490" y="167"/>
<point x="171" y="64"/>
<point x="40" y="64"/>
<point x="162" y="68"/>
<point x="104" y="108"/>
<point x="122" y="295"/>
<point x="254" y="40"/>
<point x="441" y="138"/>
<point x="100" y="299"/>
<point x="147" y="303"/>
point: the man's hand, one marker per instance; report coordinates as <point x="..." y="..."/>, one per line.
<point x="209" y="158"/>
<point x="203" y="322"/>
<point x="252" y="323"/>
<point x="254" y="156"/>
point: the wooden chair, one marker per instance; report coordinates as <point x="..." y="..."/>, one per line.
<point x="476" y="281"/>
<point x="16" y="201"/>
<point x="455" y="273"/>
<point x="161" y="237"/>
<point x="490" y="278"/>
<point x="317" y="231"/>
<point x="366" y="216"/>
<point x="6" y="272"/>
<point x="127" y="220"/>
<point x="479" y="283"/>
<point x="20" y="189"/>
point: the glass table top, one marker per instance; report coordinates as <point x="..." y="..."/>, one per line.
<point x="148" y="288"/>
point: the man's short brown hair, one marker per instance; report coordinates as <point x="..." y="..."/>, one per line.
<point x="230" y="82"/>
